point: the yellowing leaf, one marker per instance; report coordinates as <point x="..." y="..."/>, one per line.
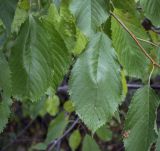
<point x="75" y="140"/>
<point x="68" y="106"/>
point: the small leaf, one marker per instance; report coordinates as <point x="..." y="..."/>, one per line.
<point x="19" y="18"/>
<point x="33" y="109"/>
<point x="124" y="83"/>
<point x="89" y="144"/>
<point x="75" y="140"/>
<point x="52" y="105"/>
<point x="64" y="23"/>
<point x="59" y="54"/>
<point x="104" y="133"/>
<point x="56" y="128"/>
<point x="39" y="146"/>
<point x="80" y="43"/>
<point x="24" y="4"/>
<point x="140" y="120"/>
<point x="68" y="106"/>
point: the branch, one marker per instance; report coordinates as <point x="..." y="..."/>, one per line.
<point x="149" y="42"/>
<point x="136" y="40"/>
<point x="55" y="142"/>
<point x="137" y="86"/>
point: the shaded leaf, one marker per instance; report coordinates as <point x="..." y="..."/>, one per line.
<point x="19" y="18"/>
<point x="59" y="54"/>
<point x="4" y="113"/>
<point x="75" y="140"/>
<point x="5" y="75"/>
<point x="56" y="128"/>
<point x="39" y="146"/>
<point x="104" y="133"/>
<point x="7" y="10"/>
<point x="31" y="61"/>
<point x="152" y="11"/>
<point x="89" y="144"/>
<point x="38" y="56"/>
<point x="158" y="142"/>
<point x="128" y="5"/>
<point x="33" y="109"/>
<point x="140" y="120"/>
<point x="68" y="106"/>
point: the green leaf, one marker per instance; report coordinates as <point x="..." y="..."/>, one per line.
<point x="129" y="54"/>
<point x="89" y="14"/>
<point x="4" y="113"/>
<point x="75" y="140"/>
<point x="68" y="106"/>
<point x="33" y="109"/>
<point x="140" y="120"/>
<point x="24" y="4"/>
<point x="60" y="56"/>
<point x="7" y="10"/>
<point x="95" y="85"/>
<point x="89" y="144"/>
<point x="124" y="83"/>
<point x="39" y="146"/>
<point x="152" y="11"/>
<point x="30" y="61"/>
<point x="52" y="105"/>
<point x="5" y="75"/>
<point x="158" y="142"/>
<point x="81" y="42"/>
<point x="38" y="56"/>
<point x="128" y="5"/>
<point x="56" y="128"/>
<point x="64" y="23"/>
<point x="19" y="18"/>
<point x="67" y="27"/>
<point x="3" y="34"/>
<point x="104" y="133"/>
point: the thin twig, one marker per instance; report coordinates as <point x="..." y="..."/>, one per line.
<point x="19" y="135"/>
<point x="137" y="86"/>
<point x="136" y="40"/>
<point x="149" y="42"/>
<point x="58" y="146"/>
<point x="55" y="142"/>
<point x="150" y="75"/>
